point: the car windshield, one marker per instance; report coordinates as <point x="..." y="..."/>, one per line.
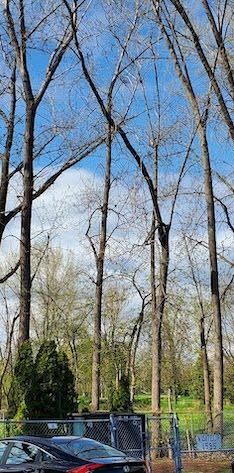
<point x="88" y="449"/>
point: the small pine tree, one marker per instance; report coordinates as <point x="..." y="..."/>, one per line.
<point x="121" y="398"/>
<point x="23" y="375"/>
<point x="67" y="395"/>
<point x="41" y="399"/>
<point x="52" y="392"/>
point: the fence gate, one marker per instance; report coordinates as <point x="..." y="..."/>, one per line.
<point x="128" y="434"/>
<point x="164" y="439"/>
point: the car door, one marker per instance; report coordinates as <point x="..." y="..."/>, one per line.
<point x="49" y="464"/>
<point x="4" y="447"/>
<point x="20" y="457"/>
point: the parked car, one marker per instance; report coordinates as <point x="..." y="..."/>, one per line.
<point x="27" y="454"/>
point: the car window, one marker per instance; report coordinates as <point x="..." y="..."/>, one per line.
<point x="45" y="457"/>
<point x="3" y="447"/>
<point x="88" y="449"/>
<point x="21" y="453"/>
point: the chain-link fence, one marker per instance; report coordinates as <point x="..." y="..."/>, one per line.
<point x="199" y="438"/>
<point x="161" y="436"/>
<point x="130" y="434"/>
<point x="166" y="436"/>
<point x="125" y="432"/>
<point x="98" y="429"/>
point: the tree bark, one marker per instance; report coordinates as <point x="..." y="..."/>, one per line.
<point x="25" y="241"/>
<point x="214" y="284"/>
<point x="158" y="304"/>
<point x="10" y="122"/>
<point x="100" y="259"/>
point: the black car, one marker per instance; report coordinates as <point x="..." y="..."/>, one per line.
<point x="27" y="454"/>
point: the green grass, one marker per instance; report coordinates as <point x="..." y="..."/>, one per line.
<point x="192" y="417"/>
<point x="190" y="411"/>
<point x="183" y="404"/>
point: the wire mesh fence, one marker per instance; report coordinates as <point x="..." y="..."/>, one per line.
<point x="154" y="437"/>
<point x="96" y="429"/>
<point x="130" y="435"/>
<point x="124" y="432"/>
<point x="200" y="437"/>
<point x="160" y="436"/>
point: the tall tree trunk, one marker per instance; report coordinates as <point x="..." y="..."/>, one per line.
<point x="158" y="304"/>
<point x="18" y="34"/>
<point x="214" y="284"/>
<point x="97" y="336"/>
<point x="201" y="121"/>
<point x="156" y="338"/>
<point x="100" y="258"/>
<point x="4" y="184"/>
<point x="25" y="241"/>
<point x="158" y="296"/>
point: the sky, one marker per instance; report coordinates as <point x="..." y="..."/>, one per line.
<point x="69" y="114"/>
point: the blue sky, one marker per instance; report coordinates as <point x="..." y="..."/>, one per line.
<point x="69" y="111"/>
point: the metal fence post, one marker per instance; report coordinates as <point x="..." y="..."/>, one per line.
<point x="147" y="439"/>
<point x="177" y="446"/>
<point x="7" y="428"/>
<point x="113" y="429"/>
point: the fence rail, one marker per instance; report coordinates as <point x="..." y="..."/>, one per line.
<point x="166" y="436"/>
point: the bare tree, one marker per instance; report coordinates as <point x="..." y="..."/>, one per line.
<point x="201" y="118"/>
<point x="162" y="227"/>
<point x="21" y="39"/>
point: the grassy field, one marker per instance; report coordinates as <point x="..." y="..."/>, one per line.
<point x="184" y="404"/>
<point x="192" y="418"/>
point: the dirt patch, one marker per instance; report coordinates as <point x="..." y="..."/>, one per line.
<point x="191" y="466"/>
<point x="162" y="466"/>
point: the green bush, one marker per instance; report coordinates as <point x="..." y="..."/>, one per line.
<point x="44" y="388"/>
<point x="23" y="376"/>
<point x="52" y="394"/>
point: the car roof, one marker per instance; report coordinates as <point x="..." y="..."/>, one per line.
<point x="31" y="438"/>
<point x="45" y="443"/>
